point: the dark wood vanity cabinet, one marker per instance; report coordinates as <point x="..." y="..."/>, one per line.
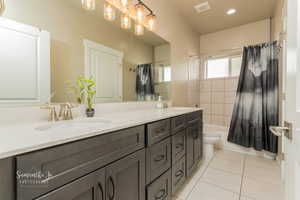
<point x="186" y="145"/>
<point x="147" y="162"/>
<point x="194" y="146"/>
<point x="90" y="187"/>
<point x="122" y="180"/>
<point x="125" y="179"/>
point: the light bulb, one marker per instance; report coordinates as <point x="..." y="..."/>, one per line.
<point x="109" y="12"/>
<point x="151" y="22"/>
<point x="124" y="3"/>
<point x="89" y="4"/>
<point x="125" y="21"/>
<point x="139" y="13"/>
<point x="139" y="29"/>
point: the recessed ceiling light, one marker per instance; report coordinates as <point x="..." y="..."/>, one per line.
<point x="231" y="11"/>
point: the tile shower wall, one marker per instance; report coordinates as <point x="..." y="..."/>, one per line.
<point x="217" y="97"/>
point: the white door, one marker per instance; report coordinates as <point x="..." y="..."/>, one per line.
<point x="292" y="101"/>
<point x="24" y="63"/>
<point x="104" y="65"/>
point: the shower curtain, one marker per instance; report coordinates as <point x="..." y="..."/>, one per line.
<point x="256" y="104"/>
<point x="145" y="82"/>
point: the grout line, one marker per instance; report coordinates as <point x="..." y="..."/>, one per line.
<point x="228" y="172"/>
<point x="220" y="187"/>
<point x="243" y="175"/>
<point x="198" y="180"/>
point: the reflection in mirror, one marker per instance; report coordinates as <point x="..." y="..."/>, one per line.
<point x="124" y="66"/>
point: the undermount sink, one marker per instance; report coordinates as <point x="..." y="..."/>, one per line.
<point x="75" y="124"/>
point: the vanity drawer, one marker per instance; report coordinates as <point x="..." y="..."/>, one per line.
<point x="178" y="146"/>
<point x="160" y="189"/>
<point x="158" y="159"/>
<point x="68" y="162"/>
<point x="193" y="117"/>
<point x="178" y="175"/>
<point x="178" y="123"/>
<point x="158" y="131"/>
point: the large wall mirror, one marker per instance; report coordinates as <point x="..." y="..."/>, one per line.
<point x="46" y="45"/>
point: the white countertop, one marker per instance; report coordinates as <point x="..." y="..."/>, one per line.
<point x="19" y="139"/>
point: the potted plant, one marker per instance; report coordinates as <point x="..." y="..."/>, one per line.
<point x="90" y="93"/>
<point x="85" y="92"/>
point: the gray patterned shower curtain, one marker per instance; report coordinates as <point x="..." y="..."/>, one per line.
<point x="256" y="104"/>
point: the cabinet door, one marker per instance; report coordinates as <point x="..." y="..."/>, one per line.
<point x="193" y="147"/>
<point x="90" y="187"/>
<point x="125" y="179"/>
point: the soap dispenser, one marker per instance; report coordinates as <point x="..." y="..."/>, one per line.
<point x="160" y="104"/>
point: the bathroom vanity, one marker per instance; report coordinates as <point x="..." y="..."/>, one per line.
<point x="147" y="156"/>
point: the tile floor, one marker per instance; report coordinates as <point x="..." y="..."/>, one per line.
<point x="234" y="176"/>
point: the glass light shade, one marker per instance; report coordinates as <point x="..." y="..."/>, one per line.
<point x="89" y="4"/>
<point x="139" y="29"/>
<point x="139" y="13"/>
<point x="125" y="21"/>
<point x="124" y="3"/>
<point x="151" y="22"/>
<point x="109" y="12"/>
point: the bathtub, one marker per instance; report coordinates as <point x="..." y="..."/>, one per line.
<point x="225" y="145"/>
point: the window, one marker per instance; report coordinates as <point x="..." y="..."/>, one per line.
<point x="223" y="67"/>
<point x="163" y="74"/>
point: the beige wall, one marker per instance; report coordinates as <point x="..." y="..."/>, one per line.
<point x="68" y="26"/>
<point x="248" y="34"/>
<point x="184" y="42"/>
<point x="217" y="95"/>
<point x="74" y="25"/>
<point x="277" y="20"/>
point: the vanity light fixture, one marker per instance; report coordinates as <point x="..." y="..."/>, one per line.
<point x="231" y="11"/>
<point x="124" y="3"/>
<point x="109" y="12"/>
<point x="151" y="22"/>
<point x="139" y="29"/>
<point x="139" y="12"/>
<point x="135" y="10"/>
<point x="89" y="4"/>
<point x="125" y="21"/>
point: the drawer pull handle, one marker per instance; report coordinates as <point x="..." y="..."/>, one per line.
<point x="161" y="194"/>
<point x="101" y="190"/>
<point x="160" y="130"/>
<point x="179" y="146"/>
<point x="195" y="134"/>
<point x="179" y="174"/>
<point x="110" y="179"/>
<point x="159" y="158"/>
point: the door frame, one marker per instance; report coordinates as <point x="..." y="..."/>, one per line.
<point x="90" y="45"/>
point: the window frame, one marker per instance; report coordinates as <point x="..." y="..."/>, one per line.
<point x="229" y="75"/>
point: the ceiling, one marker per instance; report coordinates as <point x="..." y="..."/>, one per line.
<point x="216" y="18"/>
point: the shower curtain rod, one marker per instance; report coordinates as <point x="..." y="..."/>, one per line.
<point x="237" y="48"/>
